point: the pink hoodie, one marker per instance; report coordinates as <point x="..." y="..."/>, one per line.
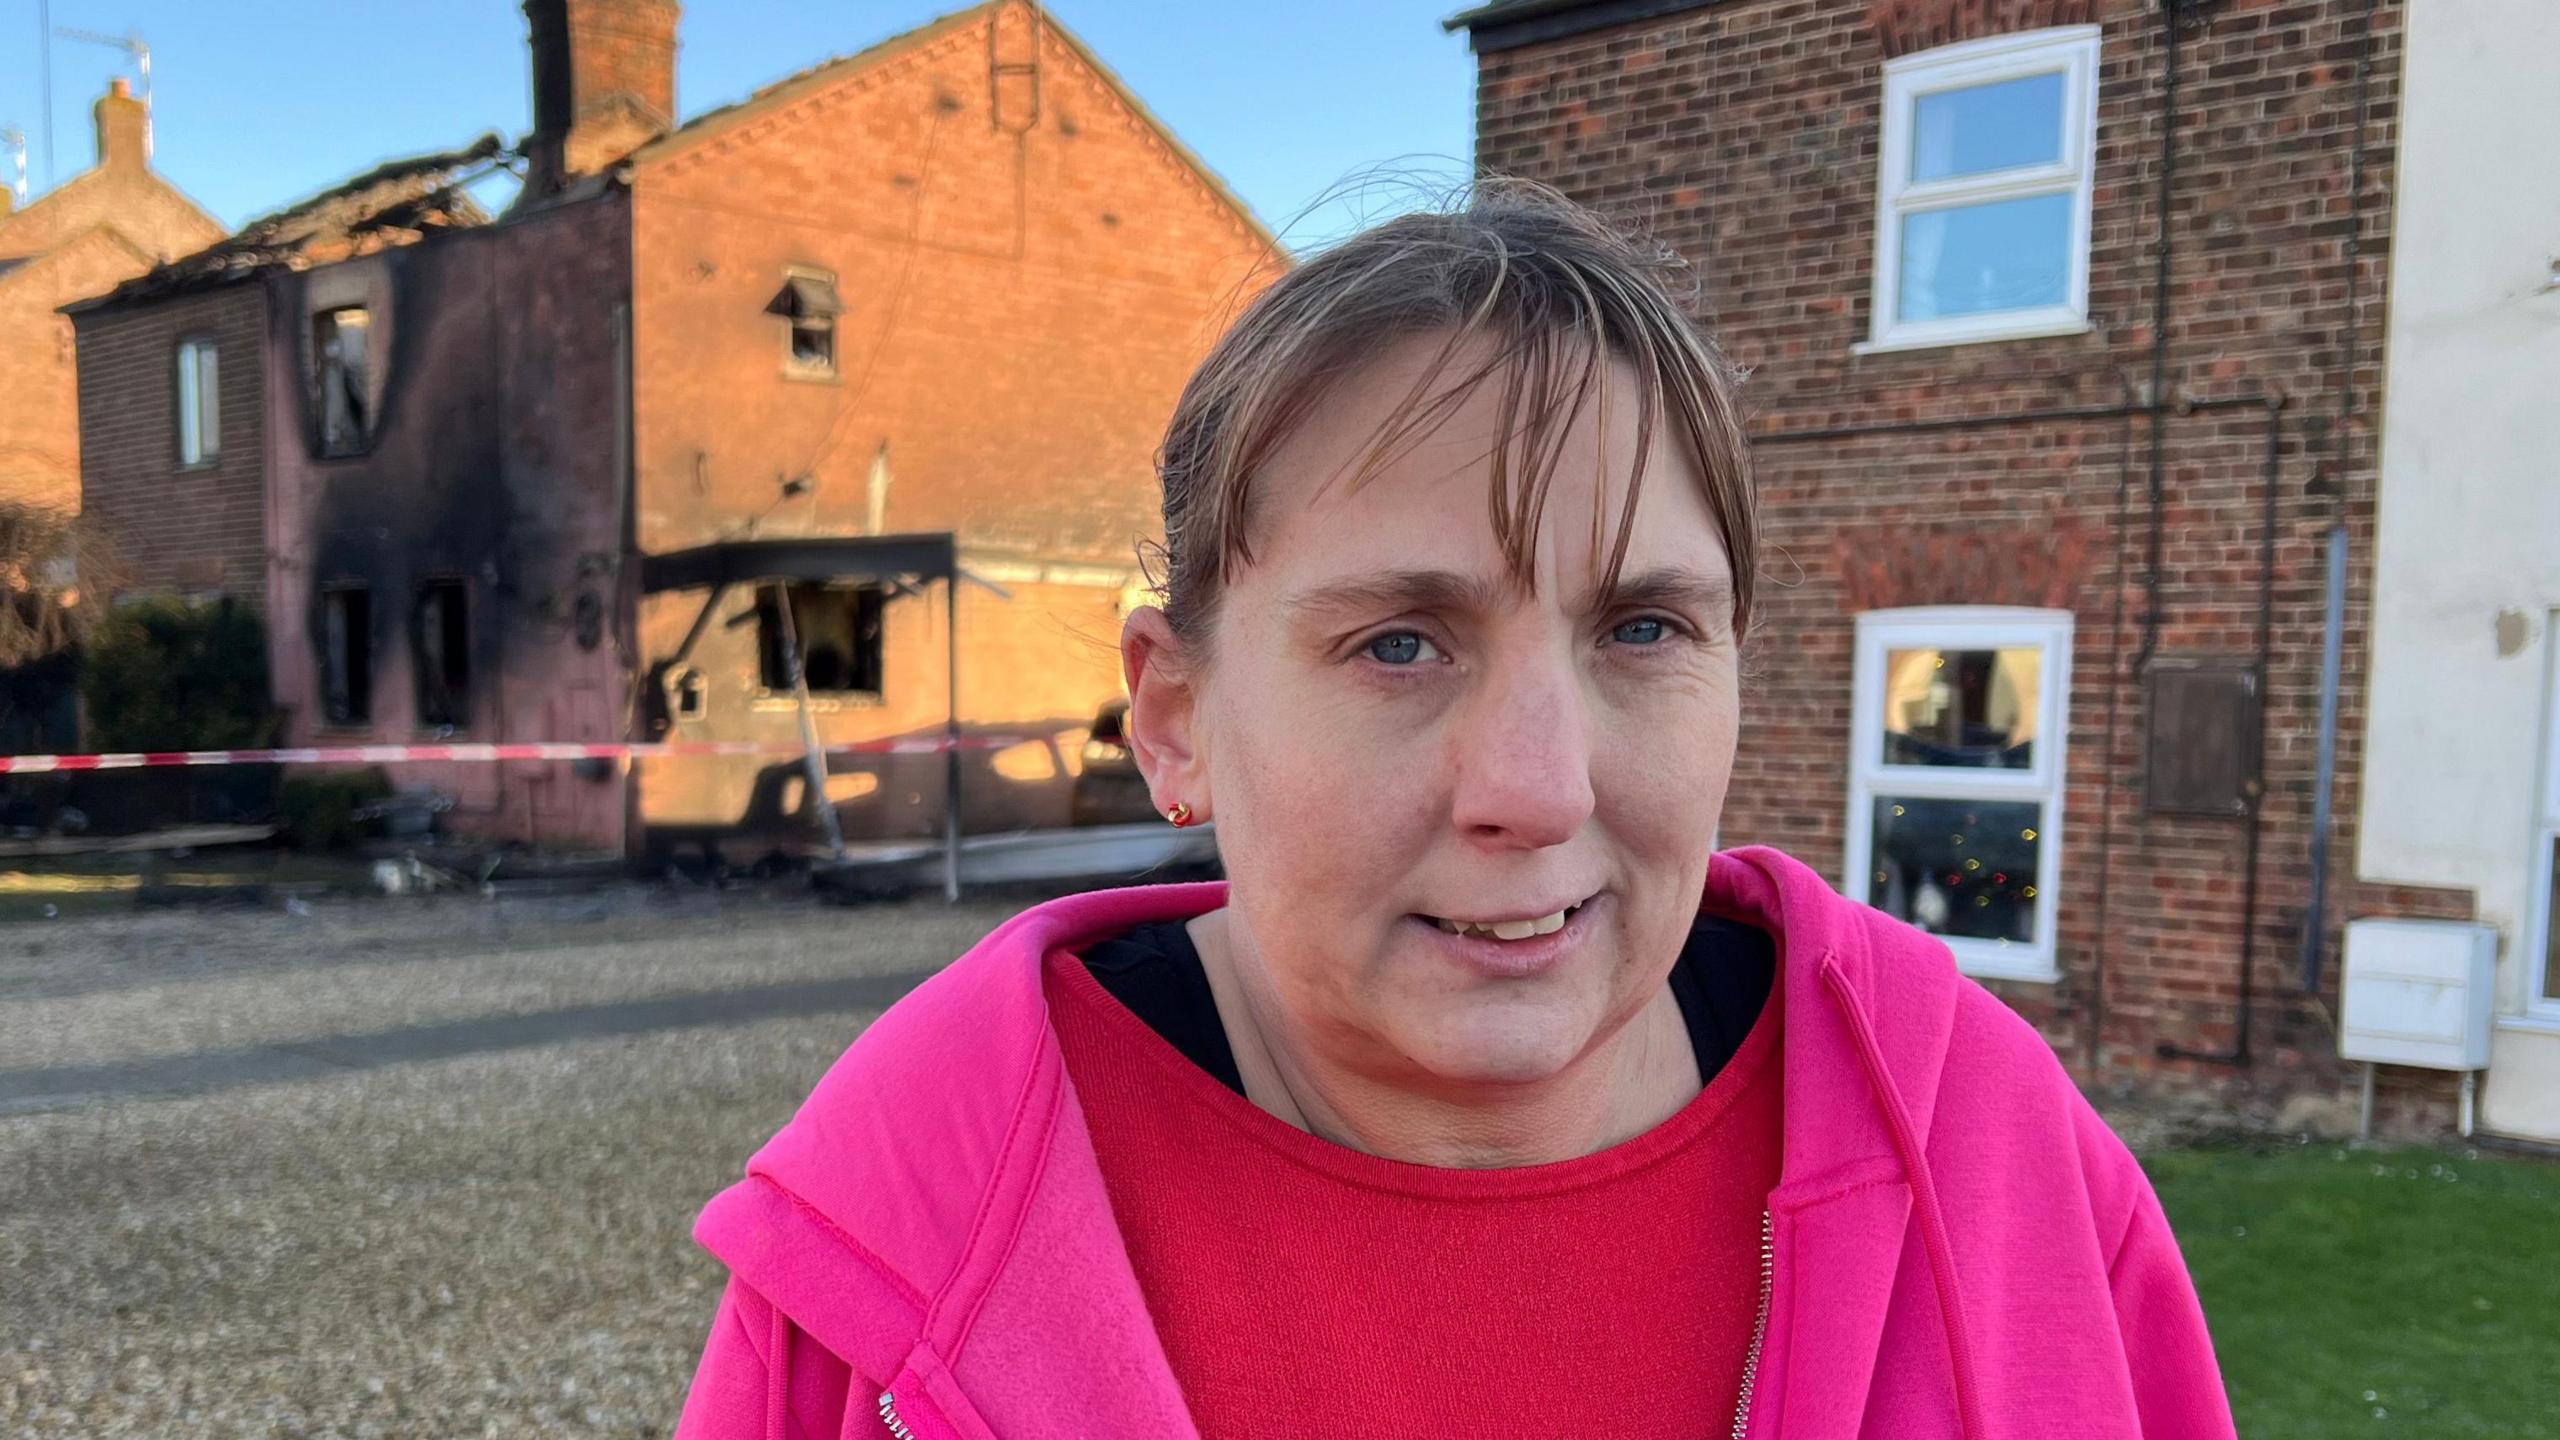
<point x="1959" y="1247"/>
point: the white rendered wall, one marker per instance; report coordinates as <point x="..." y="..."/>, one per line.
<point x="2468" y="559"/>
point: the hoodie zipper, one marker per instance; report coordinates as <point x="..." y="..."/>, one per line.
<point x="889" y="1417"/>
<point x="1759" y="1328"/>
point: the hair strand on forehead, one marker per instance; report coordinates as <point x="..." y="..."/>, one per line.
<point x="1520" y="289"/>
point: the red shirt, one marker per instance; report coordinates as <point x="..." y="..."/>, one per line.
<point x="1303" y="1289"/>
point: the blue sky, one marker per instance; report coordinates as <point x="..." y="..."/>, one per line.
<point x="261" y="104"/>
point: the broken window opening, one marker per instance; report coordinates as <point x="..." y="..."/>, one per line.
<point x="346" y="654"/>
<point x="839" y="629"/>
<point x="442" y="651"/>
<point x="808" y="302"/>
<point x="690" y="694"/>
<point x="199" y="402"/>
<point x="341" y="339"/>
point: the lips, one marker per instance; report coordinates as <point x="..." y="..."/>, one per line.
<point x="1513" y="929"/>
<point x="1477" y="944"/>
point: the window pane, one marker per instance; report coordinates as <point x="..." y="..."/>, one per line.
<point x="1958" y="867"/>
<point x="208" y="402"/>
<point x="1962" y="707"/>
<point x="1983" y="128"/>
<point x="1977" y="259"/>
<point x="190" y="417"/>
<point x="2551" y="930"/>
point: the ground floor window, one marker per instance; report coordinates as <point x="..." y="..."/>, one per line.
<point x="2542" y="960"/>
<point x="441" y="649"/>
<point x="1955" y="777"/>
<point x="346" y="654"/>
<point x="837" y="629"/>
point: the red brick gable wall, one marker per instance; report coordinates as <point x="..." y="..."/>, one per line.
<point x="1024" y="293"/>
<point x="1020" y="311"/>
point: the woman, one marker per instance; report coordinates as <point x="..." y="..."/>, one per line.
<point x="1485" y="1097"/>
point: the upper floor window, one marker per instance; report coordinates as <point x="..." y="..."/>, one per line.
<point x="1982" y="223"/>
<point x="807" y="304"/>
<point x="341" y="343"/>
<point x="199" y="402"/>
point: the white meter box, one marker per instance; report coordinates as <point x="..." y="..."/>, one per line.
<point x="2418" y="992"/>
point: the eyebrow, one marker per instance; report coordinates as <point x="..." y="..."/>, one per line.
<point x="1397" y="591"/>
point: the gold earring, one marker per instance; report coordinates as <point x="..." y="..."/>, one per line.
<point x="1179" y="813"/>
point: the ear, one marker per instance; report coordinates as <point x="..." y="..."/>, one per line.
<point x="1164" y="708"/>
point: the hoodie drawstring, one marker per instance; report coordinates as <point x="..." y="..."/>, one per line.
<point x="1924" y="1200"/>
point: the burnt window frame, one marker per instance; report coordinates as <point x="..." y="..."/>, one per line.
<point x="773" y="680"/>
<point x="357" y="712"/>
<point x="453" y="647"/>
<point x="792" y="305"/>
<point x="361" y="393"/>
<point x="2042" y="781"/>
<point x="188" y="380"/>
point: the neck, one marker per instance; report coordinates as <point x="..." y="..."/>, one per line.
<point x="1631" y="1081"/>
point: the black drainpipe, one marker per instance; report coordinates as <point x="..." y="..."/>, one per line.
<point x="2163" y="247"/>
<point x="2238" y="1054"/>
<point x="2094" y="1029"/>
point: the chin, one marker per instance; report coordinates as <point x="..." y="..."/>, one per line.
<point x="1508" y="1044"/>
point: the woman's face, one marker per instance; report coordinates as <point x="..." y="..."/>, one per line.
<point x="1392" y="737"/>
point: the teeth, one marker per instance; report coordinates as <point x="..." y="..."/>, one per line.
<point x="1509" y="929"/>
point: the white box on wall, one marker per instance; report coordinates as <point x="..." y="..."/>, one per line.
<point x="2418" y="992"/>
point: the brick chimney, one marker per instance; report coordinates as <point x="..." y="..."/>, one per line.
<point x="604" y="84"/>
<point x="124" y="124"/>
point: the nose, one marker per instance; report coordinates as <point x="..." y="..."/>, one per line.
<point x="1522" y="753"/>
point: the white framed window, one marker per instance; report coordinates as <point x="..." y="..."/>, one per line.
<point x="2542" y="934"/>
<point x="1982" y="197"/>
<point x="1956" y="778"/>
<point x="199" y="402"/>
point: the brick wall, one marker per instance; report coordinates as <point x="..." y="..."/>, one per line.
<point x="170" y="528"/>
<point x="80" y="239"/>
<point x="1746" y="135"/>
<point x="1024" y="294"/>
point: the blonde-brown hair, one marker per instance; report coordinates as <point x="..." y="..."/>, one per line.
<point x="1531" y="292"/>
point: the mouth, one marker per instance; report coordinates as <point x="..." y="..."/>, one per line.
<point x="1512" y="947"/>
<point x="1516" y="928"/>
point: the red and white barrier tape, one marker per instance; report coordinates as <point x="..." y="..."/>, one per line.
<point x="394" y="754"/>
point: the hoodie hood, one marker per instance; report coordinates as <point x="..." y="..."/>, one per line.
<point x="935" y="1213"/>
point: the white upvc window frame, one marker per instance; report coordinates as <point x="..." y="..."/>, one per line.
<point x="2538" y="1006"/>
<point x="1967" y="627"/>
<point x="2073" y="51"/>
<point x="198" y="415"/>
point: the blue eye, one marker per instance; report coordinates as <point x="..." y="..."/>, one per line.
<point x="1403" y="647"/>
<point x="1646" y="631"/>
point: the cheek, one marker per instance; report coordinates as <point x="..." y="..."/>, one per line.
<point x="1320" y="784"/>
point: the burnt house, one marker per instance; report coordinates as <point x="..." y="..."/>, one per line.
<point x="934" y="299"/>
<point x="2064" y="320"/>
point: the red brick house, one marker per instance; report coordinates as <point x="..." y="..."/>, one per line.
<point x="2063" y="321"/>
<point x="942" y="292"/>
<point x="103" y="226"/>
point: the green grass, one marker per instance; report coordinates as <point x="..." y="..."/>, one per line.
<point x="2375" y="1292"/>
